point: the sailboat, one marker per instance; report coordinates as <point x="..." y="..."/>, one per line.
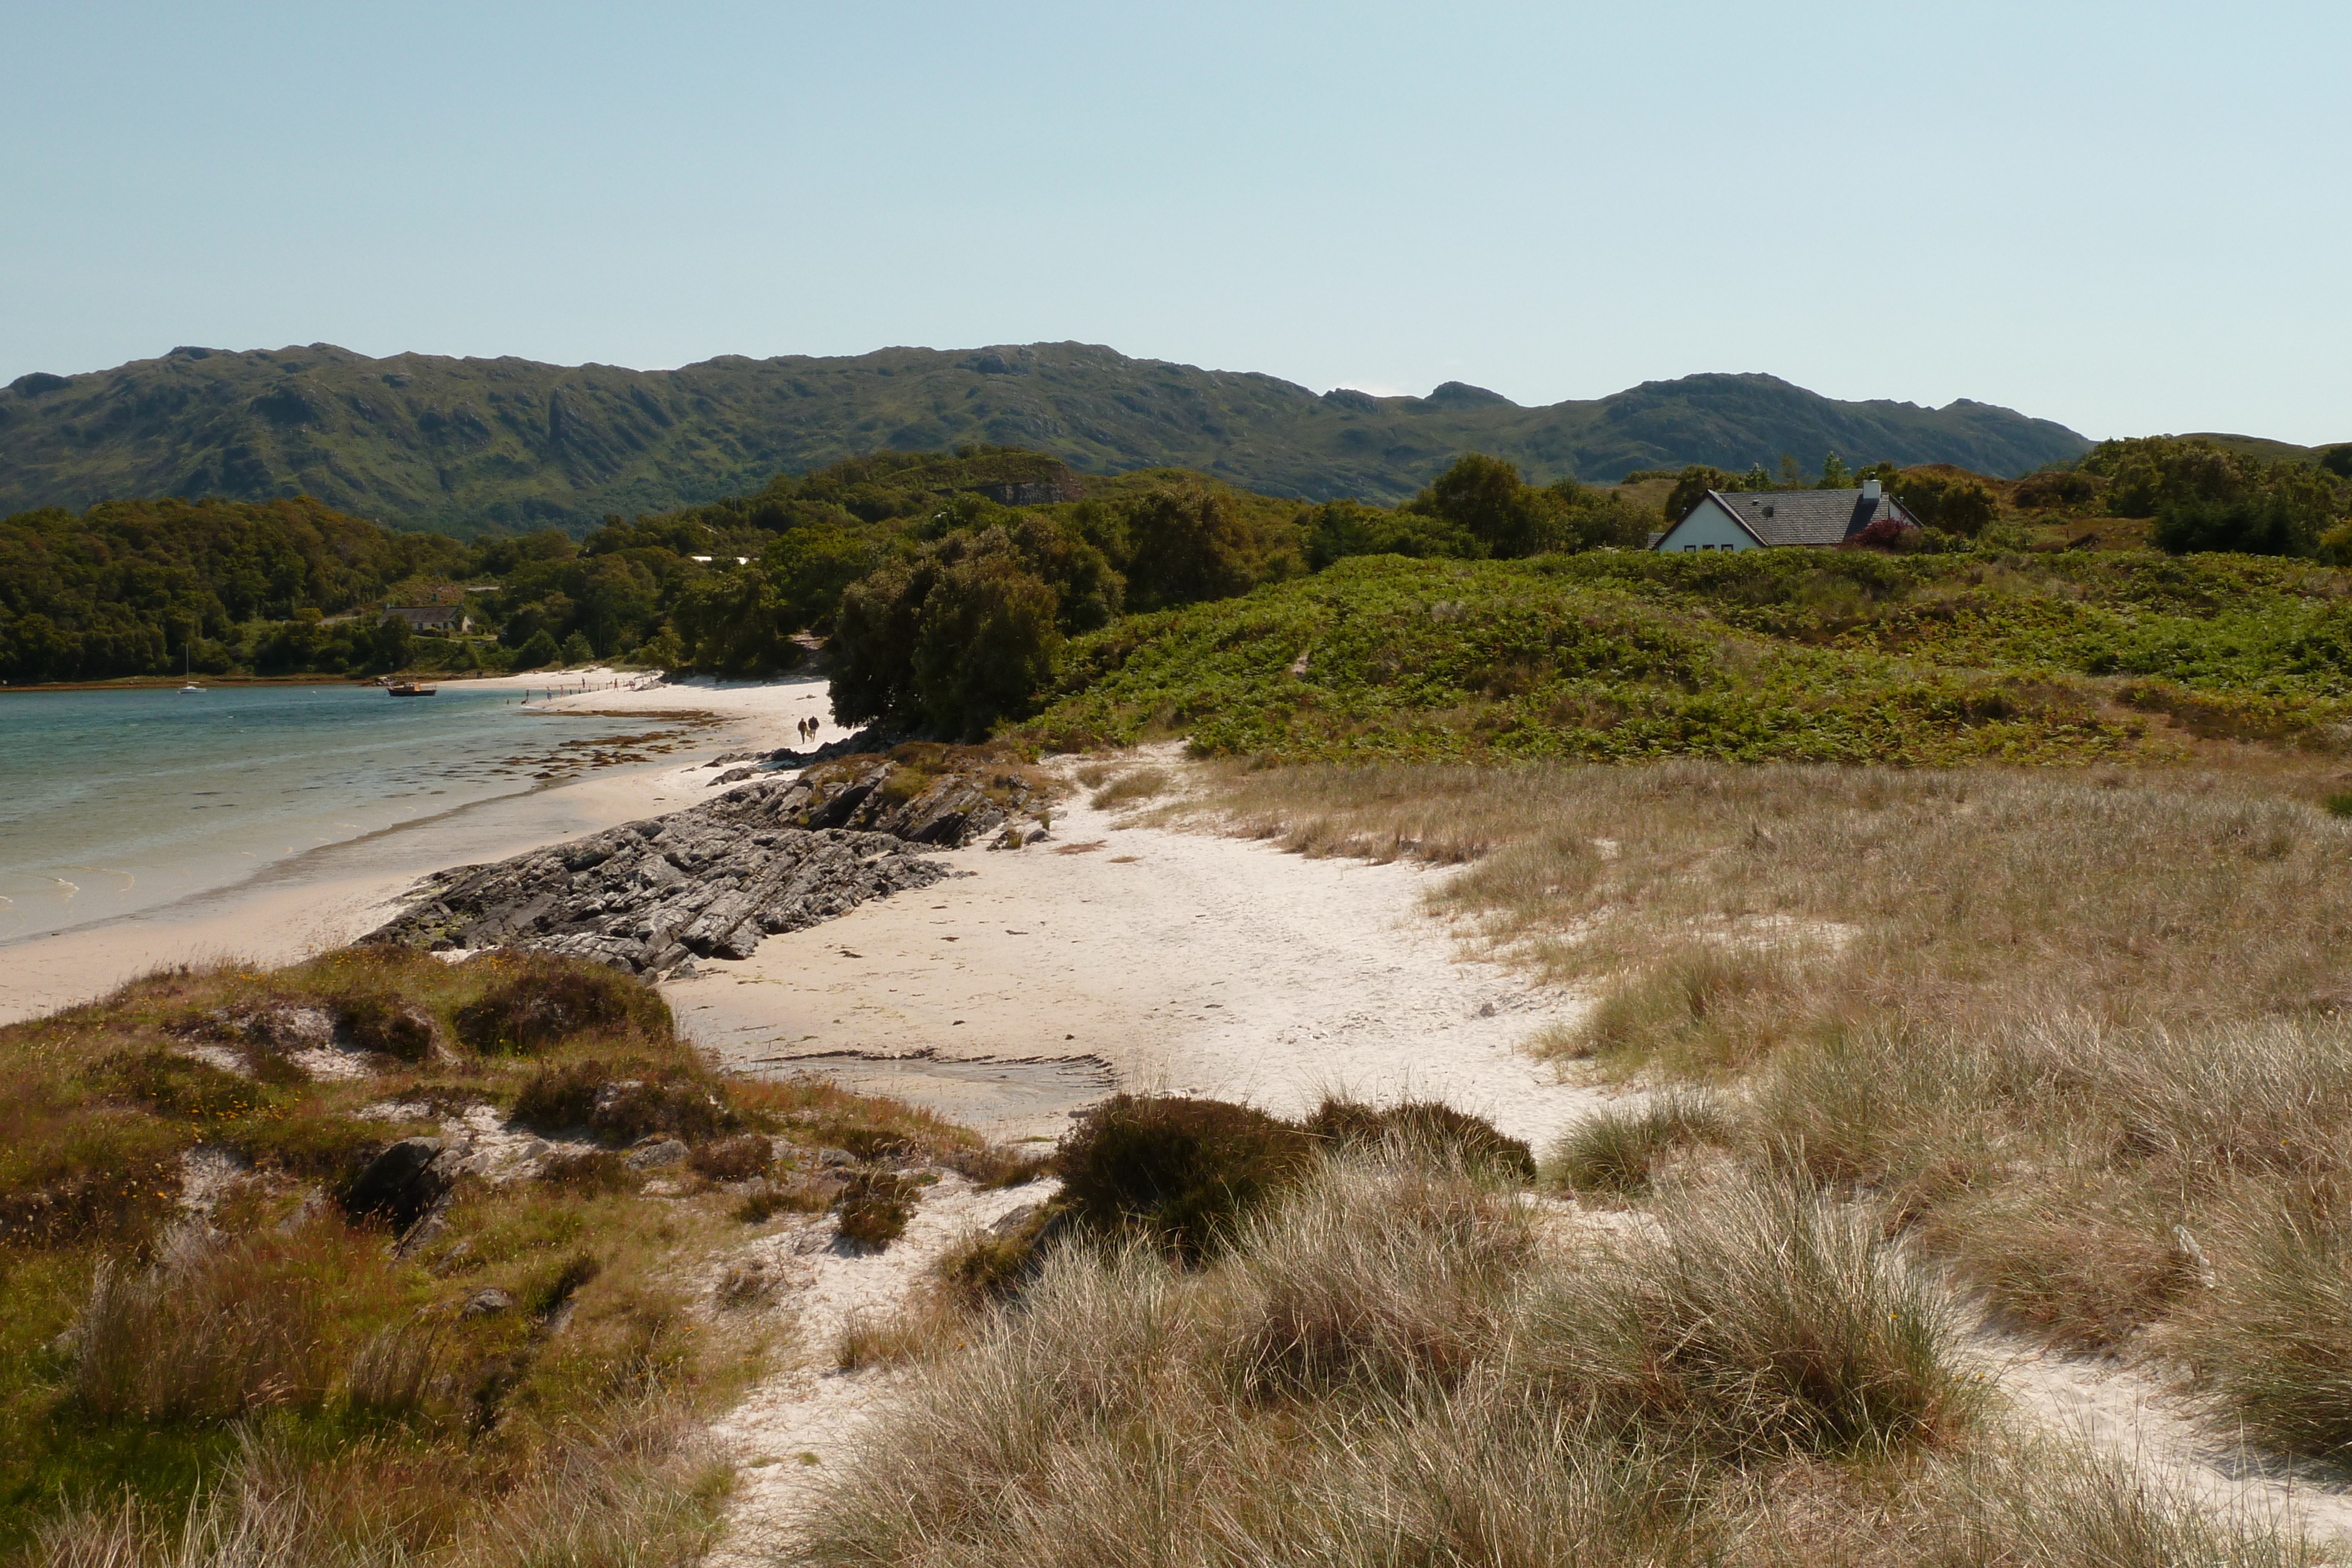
<point x="188" y="668"/>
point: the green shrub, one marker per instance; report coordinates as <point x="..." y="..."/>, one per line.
<point x="742" y="1157"/>
<point x="874" y="1207"/>
<point x="545" y="1001"/>
<point x="988" y="1265"/>
<point x="1427" y="1127"/>
<point x="2338" y="804"/>
<point x="539" y="650"/>
<point x="1180" y="1171"/>
<point x="386" y="1024"/>
<point x="624" y="1102"/>
<point x="1954" y="502"/>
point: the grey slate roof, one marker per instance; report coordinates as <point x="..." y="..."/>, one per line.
<point x="1806" y="517"/>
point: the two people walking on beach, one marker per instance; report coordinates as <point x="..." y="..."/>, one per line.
<point x="808" y="728"/>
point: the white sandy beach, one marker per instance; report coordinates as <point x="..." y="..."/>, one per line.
<point x="1131" y="958"/>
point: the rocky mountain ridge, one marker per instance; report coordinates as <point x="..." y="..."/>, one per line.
<point x="464" y="445"/>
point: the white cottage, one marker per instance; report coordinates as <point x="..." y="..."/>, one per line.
<point x="1756" y="520"/>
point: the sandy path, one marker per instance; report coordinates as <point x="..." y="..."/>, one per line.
<point x="2124" y="1412"/>
<point x="795" y="1428"/>
<point x="1155" y="960"/>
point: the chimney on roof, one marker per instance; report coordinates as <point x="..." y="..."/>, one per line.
<point x="1870" y="489"/>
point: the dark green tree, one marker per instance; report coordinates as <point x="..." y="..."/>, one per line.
<point x="1187" y="545"/>
<point x="541" y="650"/>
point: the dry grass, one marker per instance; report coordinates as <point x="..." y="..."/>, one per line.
<point x="1391" y="1366"/>
<point x="2148" y="896"/>
<point x="1128" y="788"/>
<point x="2087" y="1035"/>
<point x="640" y="1492"/>
<point x="1619" y="1152"/>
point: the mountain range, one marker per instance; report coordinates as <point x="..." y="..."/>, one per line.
<point x="462" y="446"/>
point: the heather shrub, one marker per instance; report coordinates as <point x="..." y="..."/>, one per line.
<point x="874" y="1207"/>
<point x="386" y="1024"/>
<point x="1427" y="1127"/>
<point x="1179" y="1171"/>
<point x="539" y="1001"/>
<point x="741" y="1157"/>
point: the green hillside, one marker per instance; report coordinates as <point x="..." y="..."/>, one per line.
<point x="1788" y="655"/>
<point x="464" y="445"/>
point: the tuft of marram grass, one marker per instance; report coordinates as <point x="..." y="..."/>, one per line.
<point x="1618" y="1151"/>
<point x="1386" y="1365"/>
<point x="1128" y="788"/>
<point x="1755" y="1318"/>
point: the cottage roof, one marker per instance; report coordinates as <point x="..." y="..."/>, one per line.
<point x="1807" y="517"/>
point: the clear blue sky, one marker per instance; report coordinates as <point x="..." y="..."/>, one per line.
<point x="2129" y="218"/>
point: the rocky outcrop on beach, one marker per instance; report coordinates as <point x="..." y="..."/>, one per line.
<point x="713" y="880"/>
<point x="649" y="896"/>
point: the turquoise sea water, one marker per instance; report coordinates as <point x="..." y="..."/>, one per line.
<point x="124" y="802"/>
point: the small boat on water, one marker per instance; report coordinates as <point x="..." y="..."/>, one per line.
<point x="190" y="686"/>
<point x="410" y="689"/>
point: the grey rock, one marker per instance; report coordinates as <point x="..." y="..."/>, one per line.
<point x="654" y="1155"/>
<point x="710" y="882"/>
<point x="487" y="1302"/>
<point x="401" y="1183"/>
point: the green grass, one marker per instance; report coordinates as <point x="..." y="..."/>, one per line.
<point x="1782" y="655"/>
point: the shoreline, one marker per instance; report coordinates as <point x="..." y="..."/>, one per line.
<point x="554" y="676"/>
<point x="340" y="891"/>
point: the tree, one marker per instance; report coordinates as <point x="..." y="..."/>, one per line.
<point x="1486" y="499"/>
<point x="1835" y="475"/>
<point x="1337" y="530"/>
<point x="1187" y="546"/>
<point x="985" y="644"/>
<point x="1955" y="502"/>
<point x="392" y="645"/>
<point x="540" y="651"/>
<point x="2206" y="498"/>
<point x="731" y="622"/>
<point x="578" y="650"/>
<point x="954" y="638"/>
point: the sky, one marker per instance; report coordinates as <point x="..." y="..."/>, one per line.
<point x="2128" y="218"/>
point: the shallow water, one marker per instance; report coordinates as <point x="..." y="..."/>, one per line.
<point x="123" y="802"/>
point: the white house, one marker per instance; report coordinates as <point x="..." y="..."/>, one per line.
<point x="1757" y="520"/>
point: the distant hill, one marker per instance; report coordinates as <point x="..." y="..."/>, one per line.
<point x="461" y="445"/>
